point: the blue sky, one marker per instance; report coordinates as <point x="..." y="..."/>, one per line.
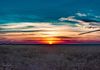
<point x="47" y="8"/>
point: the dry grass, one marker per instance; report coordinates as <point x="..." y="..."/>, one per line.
<point x="47" y="57"/>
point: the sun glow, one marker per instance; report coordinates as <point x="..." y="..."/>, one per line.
<point x="49" y="37"/>
<point x="51" y="40"/>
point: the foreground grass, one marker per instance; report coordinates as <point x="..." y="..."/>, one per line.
<point x="47" y="57"/>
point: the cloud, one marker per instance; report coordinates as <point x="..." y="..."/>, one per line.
<point x="39" y="29"/>
<point x="34" y="31"/>
<point x="97" y="16"/>
<point x="81" y="14"/>
<point x="73" y="19"/>
<point x="81" y="23"/>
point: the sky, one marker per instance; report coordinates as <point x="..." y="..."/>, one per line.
<point x="49" y="21"/>
<point x="49" y="8"/>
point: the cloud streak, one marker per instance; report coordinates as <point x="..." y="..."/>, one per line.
<point x="19" y="32"/>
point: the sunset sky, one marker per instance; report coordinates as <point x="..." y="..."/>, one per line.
<point x="49" y="22"/>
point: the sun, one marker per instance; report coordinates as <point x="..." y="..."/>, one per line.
<point x="51" y="40"/>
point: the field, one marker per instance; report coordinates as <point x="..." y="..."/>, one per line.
<point x="49" y="57"/>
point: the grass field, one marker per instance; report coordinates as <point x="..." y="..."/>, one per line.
<point x="49" y="57"/>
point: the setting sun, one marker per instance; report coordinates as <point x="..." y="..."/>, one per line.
<point x="51" y="40"/>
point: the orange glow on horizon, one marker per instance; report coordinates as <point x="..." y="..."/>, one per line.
<point x="51" y="40"/>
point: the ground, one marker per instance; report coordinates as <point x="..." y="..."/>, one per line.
<point x="49" y="57"/>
